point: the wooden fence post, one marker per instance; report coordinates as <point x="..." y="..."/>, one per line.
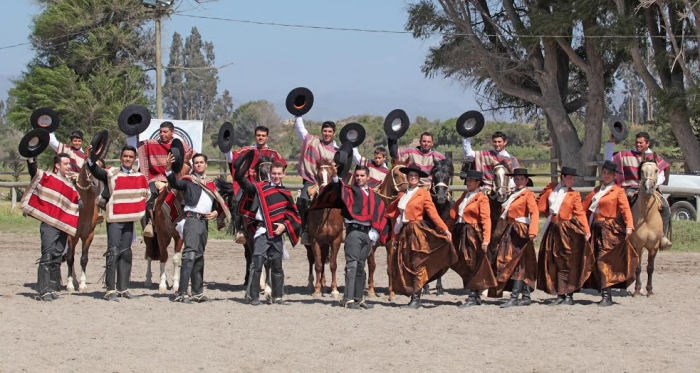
<point x="13" y="195"/>
<point x="553" y="165"/>
<point x="448" y="154"/>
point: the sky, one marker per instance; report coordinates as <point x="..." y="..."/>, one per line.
<point x="349" y="72"/>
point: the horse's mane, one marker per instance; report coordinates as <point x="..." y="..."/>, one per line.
<point x="504" y="164"/>
<point x="324" y="162"/>
<point x="443" y="165"/>
<point x="652" y="160"/>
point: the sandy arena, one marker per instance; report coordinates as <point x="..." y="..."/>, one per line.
<point x="82" y="332"/>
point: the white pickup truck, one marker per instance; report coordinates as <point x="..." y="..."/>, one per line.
<point x="683" y="205"/>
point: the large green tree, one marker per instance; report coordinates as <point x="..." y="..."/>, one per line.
<point x="90" y="61"/>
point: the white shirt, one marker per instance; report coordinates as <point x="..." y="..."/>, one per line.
<point x="373" y="234"/>
<point x="608" y="156"/>
<point x="205" y="203"/>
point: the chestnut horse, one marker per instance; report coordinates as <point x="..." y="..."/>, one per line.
<point x="394" y="182"/>
<point x="325" y="228"/>
<point x="163" y="233"/>
<point x="88" y="188"/>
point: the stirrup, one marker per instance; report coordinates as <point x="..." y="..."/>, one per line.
<point x="240" y="238"/>
<point x="148" y="230"/>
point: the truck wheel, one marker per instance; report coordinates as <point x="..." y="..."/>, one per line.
<point x="683" y="210"/>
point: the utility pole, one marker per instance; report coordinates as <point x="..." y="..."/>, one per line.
<point x="159" y="69"/>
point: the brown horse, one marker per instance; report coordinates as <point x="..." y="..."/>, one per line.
<point x="88" y="188"/>
<point x="394" y="182"/>
<point x="163" y="233"/>
<point x="325" y="227"/>
<point x="648" y="226"/>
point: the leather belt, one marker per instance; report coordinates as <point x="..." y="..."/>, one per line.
<point x="357" y="227"/>
<point x="194" y="215"/>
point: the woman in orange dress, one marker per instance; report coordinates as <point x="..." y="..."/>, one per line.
<point x="610" y="218"/>
<point x="470" y="223"/>
<point x="565" y="258"/>
<point x="419" y="253"/>
<point x="516" y="262"/>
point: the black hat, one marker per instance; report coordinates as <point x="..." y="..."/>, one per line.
<point x="612" y="166"/>
<point x="243" y="164"/>
<point x="569" y="171"/>
<point x="76" y="134"/>
<point x="178" y="152"/>
<point x="470" y="123"/>
<point x="299" y="101"/>
<point x="134" y="119"/>
<point x="353" y="133"/>
<point x="413" y="168"/>
<point x="45" y="118"/>
<point x="472" y="174"/>
<point x="99" y="143"/>
<point x="520" y="172"/>
<point x="343" y="158"/>
<point x="33" y="143"/>
<point x="225" y="140"/>
<point x="618" y="128"/>
<point x="396" y="124"/>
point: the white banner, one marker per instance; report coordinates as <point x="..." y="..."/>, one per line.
<point x="189" y="132"/>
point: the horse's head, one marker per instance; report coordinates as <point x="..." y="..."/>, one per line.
<point x="262" y="168"/>
<point x="648" y="174"/>
<point x="441" y="176"/>
<point x="325" y="170"/>
<point x="86" y="183"/>
<point x="499" y="184"/>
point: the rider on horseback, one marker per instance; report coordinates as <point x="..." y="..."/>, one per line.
<point x="376" y="166"/>
<point x="74" y="150"/>
<point x="628" y="162"/>
<point x="423" y="156"/>
<point x="485" y="160"/>
<point x="313" y="149"/>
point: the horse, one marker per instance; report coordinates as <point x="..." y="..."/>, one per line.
<point x="499" y="193"/>
<point x="225" y="188"/>
<point x="648" y="226"/>
<point x="441" y="176"/>
<point x="394" y="182"/>
<point x="88" y="189"/>
<point x="163" y="233"/>
<point x="325" y="228"/>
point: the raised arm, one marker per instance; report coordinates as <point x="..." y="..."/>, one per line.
<point x="300" y="128"/>
<point x="485" y="217"/>
<point x="97" y="171"/>
<point x="467" y="150"/>
<point x="53" y="141"/>
<point x="608" y="151"/>
<point x="31" y="167"/>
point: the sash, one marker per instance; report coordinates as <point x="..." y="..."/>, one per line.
<point x="53" y="200"/>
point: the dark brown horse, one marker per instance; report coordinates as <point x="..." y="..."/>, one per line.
<point x="88" y="188"/>
<point x="441" y="176"/>
<point x="163" y="233"/>
<point x="394" y="182"/>
<point x="325" y="227"/>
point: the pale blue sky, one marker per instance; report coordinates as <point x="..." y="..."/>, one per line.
<point x="349" y="72"/>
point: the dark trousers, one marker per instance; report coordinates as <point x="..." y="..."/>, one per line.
<point x="118" y="256"/>
<point x="303" y="203"/>
<point x="195" y="238"/>
<point x="357" y="249"/>
<point x="53" y="244"/>
<point x="265" y="248"/>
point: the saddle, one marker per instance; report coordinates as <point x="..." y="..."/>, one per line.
<point x="632" y="194"/>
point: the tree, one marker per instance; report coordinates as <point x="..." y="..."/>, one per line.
<point x="529" y="55"/>
<point x="89" y="64"/>
<point x="250" y="115"/>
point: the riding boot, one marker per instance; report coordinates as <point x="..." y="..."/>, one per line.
<point x="186" y="271"/>
<point x="253" y="289"/>
<point x="148" y="228"/>
<point x="44" y="282"/>
<point x="513" y="301"/>
<point x="607" y="298"/>
<point x="568" y="300"/>
<point x="124" y="272"/>
<point x="303" y="206"/>
<point x="415" y="301"/>
<point x="111" y="268"/>
<point x="526" y="300"/>
<point x="198" y="279"/>
<point x="472" y="300"/>
<point x="277" y="280"/>
<point x="665" y="212"/>
<point x="360" y="281"/>
<point x="55" y="279"/>
<point x="426" y="289"/>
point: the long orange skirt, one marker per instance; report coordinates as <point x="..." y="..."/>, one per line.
<point x="566" y="260"/>
<point x="616" y="259"/>
<point x="472" y="262"/>
<point x="515" y="258"/>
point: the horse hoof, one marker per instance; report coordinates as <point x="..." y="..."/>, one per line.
<point x="82" y="288"/>
<point x="317" y="294"/>
<point x="636" y="294"/>
<point x="439" y="292"/>
<point x="391" y="297"/>
<point x="371" y="293"/>
<point x="176" y="288"/>
<point x="650" y="293"/>
<point x="70" y="288"/>
<point x="162" y="289"/>
<point x="335" y="294"/>
<point x="148" y="283"/>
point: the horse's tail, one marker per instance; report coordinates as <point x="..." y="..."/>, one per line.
<point x="224" y="187"/>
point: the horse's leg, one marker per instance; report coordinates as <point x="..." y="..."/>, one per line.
<point x="334" y="249"/>
<point x="651" y="256"/>
<point x="310" y="258"/>
<point x="638" y="281"/>
<point x="84" y="261"/>
<point x="163" y="242"/>
<point x="318" y="266"/>
<point x="325" y="251"/>
<point x="438" y="287"/>
<point x="371" y="267"/>
<point x="177" y="263"/>
<point x="148" y="281"/>
<point x="163" y="285"/>
<point x="70" y="261"/>
<point x="388" y="270"/>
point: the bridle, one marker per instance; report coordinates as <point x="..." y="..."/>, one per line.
<point x="501" y="180"/>
<point x="393" y="181"/>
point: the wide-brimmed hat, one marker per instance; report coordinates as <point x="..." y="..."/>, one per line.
<point x="134" y="119"/>
<point x="472" y="174"/>
<point x="343" y="159"/>
<point x="177" y="149"/>
<point x="612" y="166"/>
<point x="353" y="133"/>
<point x="396" y="124"/>
<point x="413" y="168"/>
<point x="45" y="118"/>
<point x="77" y="134"/>
<point x="618" y="129"/>
<point x="299" y="101"/>
<point x="225" y="139"/>
<point x="33" y="143"/>
<point x="100" y="144"/>
<point x="520" y="172"/>
<point x="470" y="123"/>
<point x="569" y="171"/>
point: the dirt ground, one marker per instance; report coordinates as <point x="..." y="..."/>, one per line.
<point x="82" y="332"/>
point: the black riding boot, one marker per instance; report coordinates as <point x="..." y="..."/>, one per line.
<point x="253" y="289"/>
<point x="607" y="298"/>
<point x="55" y="279"/>
<point x="110" y="273"/>
<point x="43" y="280"/>
<point x="124" y="273"/>
<point x="666" y="219"/>
<point x="185" y="274"/>
<point x="415" y="301"/>
<point x="198" y="281"/>
<point x="513" y="301"/>
<point x="277" y="280"/>
<point x="569" y="299"/>
<point x="526" y="300"/>
<point x="472" y="299"/>
<point x="303" y="206"/>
